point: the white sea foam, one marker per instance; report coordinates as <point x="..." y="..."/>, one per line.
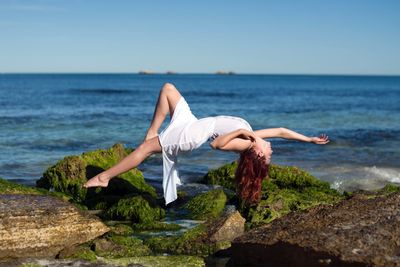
<point x="389" y="174"/>
<point x="350" y="178"/>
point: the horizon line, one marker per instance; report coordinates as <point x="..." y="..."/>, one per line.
<point x="228" y="73"/>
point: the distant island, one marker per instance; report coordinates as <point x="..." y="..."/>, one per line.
<point x="221" y="72"/>
<point x="153" y="72"/>
<point x="170" y="72"/>
<point x="146" y="72"/>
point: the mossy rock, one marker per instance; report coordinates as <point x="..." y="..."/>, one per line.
<point x="79" y="252"/>
<point x="102" y="202"/>
<point x="384" y="191"/>
<point x="286" y="189"/>
<point x="192" y="242"/>
<point x="159" y="261"/>
<point x="283" y="176"/>
<point x="121" y="229"/>
<point x="140" y="209"/>
<point x="69" y="174"/>
<point x="207" y="205"/>
<point x="156" y="226"/>
<point x="116" y="246"/>
<point x="388" y="189"/>
<point x="224" y="176"/>
<point x="8" y="187"/>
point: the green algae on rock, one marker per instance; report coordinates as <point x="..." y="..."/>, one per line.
<point x="159" y="261"/>
<point x="121" y="229"/>
<point x="207" y="205"/>
<point x="192" y="242"/>
<point x="224" y="176"/>
<point x="69" y="174"/>
<point x="82" y="251"/>
<point x="286" y="189"/>
<point x="116" y="246"/>
<point x="277" y="201"/>
<point x="140" y="209"/>
<point x="156" y="226"/>
<point x="7" y="187"/>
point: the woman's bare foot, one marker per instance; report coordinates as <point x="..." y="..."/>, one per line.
<point x="99" y="180"/>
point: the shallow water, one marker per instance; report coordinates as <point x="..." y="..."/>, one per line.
<point x="48" y="116"/>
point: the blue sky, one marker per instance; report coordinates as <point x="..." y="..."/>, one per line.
<point x="302" y="37"/>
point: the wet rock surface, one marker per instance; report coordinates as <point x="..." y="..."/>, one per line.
<point x="41" y="226"/>
<point x="360" y="231"/>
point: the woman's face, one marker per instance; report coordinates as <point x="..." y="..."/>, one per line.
<point x="263" y="148"/>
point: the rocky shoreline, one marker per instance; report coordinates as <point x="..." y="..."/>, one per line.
<point x="300" y="221"/>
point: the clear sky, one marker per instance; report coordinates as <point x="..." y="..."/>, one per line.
<point x="303" y="37"/>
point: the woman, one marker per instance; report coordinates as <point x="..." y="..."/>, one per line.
<point x="185" y="133"/>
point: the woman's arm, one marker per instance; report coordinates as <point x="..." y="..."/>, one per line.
<point x="238" y="140"/>
<point x="292" y="135"/>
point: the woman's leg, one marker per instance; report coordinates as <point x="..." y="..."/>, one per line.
<point x="167" y="100"/>
<point x="147" y="148"/>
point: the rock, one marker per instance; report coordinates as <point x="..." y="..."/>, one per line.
<point x="156" y="226"/>
<point x="37" y="226"/>
<point x="159" y="261"/>
<point x="204" y="239"/>
<point x="82" y="252"/>
<point x="224" y="176"/>
<point x="138" y="209"/>
<point x="63" y="263"/>
<point x="358" y="231"/>
<point x="226" y="228"/>
<point x="7" y="187"/>
<point x="116" y="246"/>
<point x="285" y="189"/>
<point x="207" y="205"/>
<point x="191" y="242"/>
<point x="69" y="174"/>
<point x="121" y="229"/>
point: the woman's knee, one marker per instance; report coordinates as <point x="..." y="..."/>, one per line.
<point x="150" y="146"/>
<point x="169" y="88"/>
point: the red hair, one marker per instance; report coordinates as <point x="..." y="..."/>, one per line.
<point x="250" y="172"/>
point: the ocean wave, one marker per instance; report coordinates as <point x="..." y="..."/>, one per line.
<point x="361" y="178"/>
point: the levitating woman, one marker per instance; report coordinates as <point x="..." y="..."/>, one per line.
<point x="185" y="132"/>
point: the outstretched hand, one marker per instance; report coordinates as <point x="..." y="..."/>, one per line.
<point x="321" y="140"/>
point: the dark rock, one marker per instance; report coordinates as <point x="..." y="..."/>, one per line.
<point x="359" y="231"/>
<point x="41" y="226"/>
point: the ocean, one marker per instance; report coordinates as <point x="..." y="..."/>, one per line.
<point x="45" y="117"/>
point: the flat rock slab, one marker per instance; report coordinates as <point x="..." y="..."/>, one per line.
<point x="41" y="226"/>
<point x="354" y="232"/>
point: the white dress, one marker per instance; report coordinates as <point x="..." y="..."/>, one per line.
<point x="184" y="133"/>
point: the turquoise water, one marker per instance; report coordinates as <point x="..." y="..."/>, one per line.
<point x="44" y="117"/>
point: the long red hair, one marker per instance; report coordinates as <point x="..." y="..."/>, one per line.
<point x="250" y="172"/>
